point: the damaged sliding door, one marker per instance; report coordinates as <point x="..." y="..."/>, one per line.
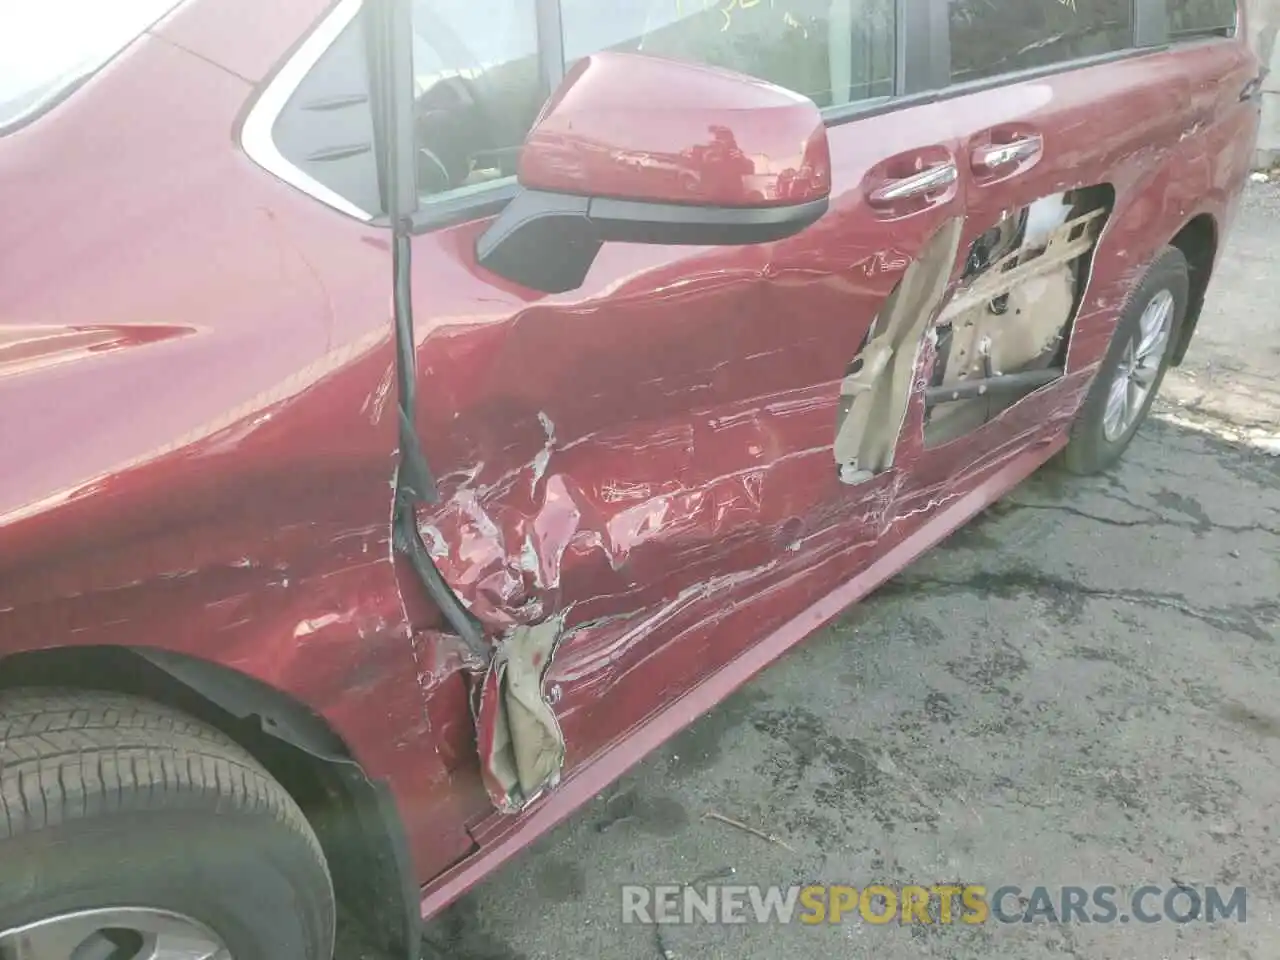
<point x="1052" y="166"/>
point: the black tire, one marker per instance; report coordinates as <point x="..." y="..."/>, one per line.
<point x="111" y="801"/>
<point x="1089" y="450"/>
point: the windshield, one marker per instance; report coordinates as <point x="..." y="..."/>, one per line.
<point x="48" y="46"/>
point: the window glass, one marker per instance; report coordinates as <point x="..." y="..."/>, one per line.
<point x="991" y="37"/>
<point x="1191" y="18"/>
<point x="832" y="51"/>
<point x="325" y="129"/>
<point x="479" y="89"/>
<point x="48" y="46"/>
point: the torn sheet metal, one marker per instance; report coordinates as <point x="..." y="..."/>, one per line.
<point x="521" y="745"/>
<point x="605" y="524"/>
<point x="877" y="392"/>
<point x="616" y="457"/>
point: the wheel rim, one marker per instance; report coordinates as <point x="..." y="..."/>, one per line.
<point x="117" y="934"/>
<point x="1139" y="367"/>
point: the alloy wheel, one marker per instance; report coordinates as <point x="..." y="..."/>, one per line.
<point x="115" y="934"/>
<point x="1139" y="367"/>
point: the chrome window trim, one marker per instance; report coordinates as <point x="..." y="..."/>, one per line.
<point x="256" y="135"/>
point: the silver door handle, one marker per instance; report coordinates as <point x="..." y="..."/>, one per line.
<point x="926" y="181"/>
<point x="992" y="158"/>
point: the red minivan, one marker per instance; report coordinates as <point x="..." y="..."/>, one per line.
<point x="415" y="411"/>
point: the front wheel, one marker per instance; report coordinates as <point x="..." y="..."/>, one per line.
<point x="129" y="831"/>
<point x="1134" y="367"/>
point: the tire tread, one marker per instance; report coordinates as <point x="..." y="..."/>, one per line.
<point x="73" y="756"/>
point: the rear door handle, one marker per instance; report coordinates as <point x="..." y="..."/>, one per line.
<point x="916" y="185"/>
<point x="994" y="157"/>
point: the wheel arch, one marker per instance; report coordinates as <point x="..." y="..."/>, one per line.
<point x="1198" y="240"/>
<point x="355" y="818"/>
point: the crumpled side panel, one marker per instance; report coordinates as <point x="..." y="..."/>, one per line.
<point x="605" y="525"/>
<point x="632" y="454"/>
<point x="522" y="749"/>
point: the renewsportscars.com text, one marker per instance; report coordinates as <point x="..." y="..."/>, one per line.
<point x="942" y="904"/>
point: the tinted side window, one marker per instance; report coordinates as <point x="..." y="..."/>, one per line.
<point x="326" y="128"/>
<point x="991" y="37"/>
<point x="832" y="51"/>
<point x="479" y="89"/>
<point x="1195" y="18"/>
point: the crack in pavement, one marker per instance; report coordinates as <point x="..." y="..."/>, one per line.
<point x="1242" y="619"/>
<point x="1151" y="519"/>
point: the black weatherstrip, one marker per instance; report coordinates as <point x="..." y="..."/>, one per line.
<point x="393" y="61"/>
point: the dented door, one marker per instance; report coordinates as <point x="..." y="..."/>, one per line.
<point x="1058" y="170"/>
<point x="622" y="465"/>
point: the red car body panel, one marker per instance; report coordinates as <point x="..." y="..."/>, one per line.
<point x="197" y="413"/>
<point x="239" y="510"/>
<point x="622" y="122"/>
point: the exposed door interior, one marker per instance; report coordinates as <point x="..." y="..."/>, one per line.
<point x="1006" y="330"/>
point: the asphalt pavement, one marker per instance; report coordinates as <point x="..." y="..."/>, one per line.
<point x="1081" y="687"/>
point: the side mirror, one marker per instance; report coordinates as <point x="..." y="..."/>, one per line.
<point x="641" y="150"/>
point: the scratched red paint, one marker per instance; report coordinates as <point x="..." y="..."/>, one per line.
<point x="650" y="453"/>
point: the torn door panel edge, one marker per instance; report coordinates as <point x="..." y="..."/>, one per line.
<point x="876" y="395"/>
<point x="522" y="748"/>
